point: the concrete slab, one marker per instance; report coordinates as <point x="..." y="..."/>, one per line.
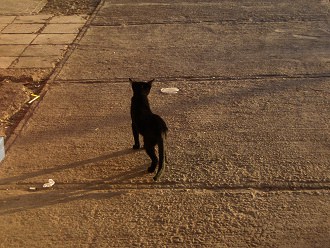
<point x="70" y="19"/>
<point x="5" y="62"/>
<point x="214" y="11"/>
<point x="16" y="39"/>
<point x="18" y="7"/>
<point x="260" y="133"/>
<point x="11" y="50"/>
<point x="54" y="39"/>
<point x="22" y="28"/>
<point x="44" y="50"/>
<point x="7" y="19"/>
<point x="36" y="62"/>
<point x="2" y="26"/>
<point x="33" y="19"/>
<point x="202" y="50"/>
<point x="171" y="218"/>
<point x="62" y="28"/>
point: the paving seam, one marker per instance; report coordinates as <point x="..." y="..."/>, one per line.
<point x="243" y="22"/>
<point x="7" y="24"/>
<point x="159" y="186"/>
<point x="198" y="79"/>
<point x="28" y="45"/>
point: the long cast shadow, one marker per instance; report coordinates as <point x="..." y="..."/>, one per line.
<point x="47" y="198"/>
<point x="92" y="191"/>
<point x="66" y="166"/>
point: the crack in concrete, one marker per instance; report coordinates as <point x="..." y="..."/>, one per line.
<point x="102" y="185"/>
<point x="208" y="78"/>
<point x="225" y="21"/>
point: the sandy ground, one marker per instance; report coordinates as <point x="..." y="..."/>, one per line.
<point x="248" y="144"/>
<point x="239" y="182"/>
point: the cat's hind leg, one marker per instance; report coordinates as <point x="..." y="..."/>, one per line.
<point x="162" y="159"/>
<point x="152" y="154"/>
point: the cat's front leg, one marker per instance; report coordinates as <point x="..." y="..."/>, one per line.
<point x="136" y="137"/>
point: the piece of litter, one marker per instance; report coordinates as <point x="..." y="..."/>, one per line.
<point x="2" y="148"/>
<point x="50" y="183"/>
<point x="33" y="188"/>
<point x="35" y="97"/>
<point x="169" y="90"/>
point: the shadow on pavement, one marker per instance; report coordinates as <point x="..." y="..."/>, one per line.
<point x="49" y="197"/>
<point x="73" y="165"/>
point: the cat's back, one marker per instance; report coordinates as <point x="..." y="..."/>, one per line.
<point x="140" y="105"/>
<point x="159" y="123"/>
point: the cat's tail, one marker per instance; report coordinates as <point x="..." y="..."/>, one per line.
<point x="165" y="145"/>
<point x="162" y="155"/>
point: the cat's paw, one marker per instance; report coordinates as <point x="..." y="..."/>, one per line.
<point x="158" y="175"/>
<point x="135" y="147"/>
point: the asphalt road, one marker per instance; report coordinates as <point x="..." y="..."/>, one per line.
<point x="248" y="146"/>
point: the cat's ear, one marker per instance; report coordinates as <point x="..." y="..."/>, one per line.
<point x="150" y="82"/>
<point x="131" y="81"/>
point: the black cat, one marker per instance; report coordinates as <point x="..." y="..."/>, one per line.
<point x="151" y="126"/>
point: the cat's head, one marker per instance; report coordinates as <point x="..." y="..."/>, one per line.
<point x="140" y="87"/>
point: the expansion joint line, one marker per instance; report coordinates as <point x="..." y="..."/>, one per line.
<point x="202" y="78"/>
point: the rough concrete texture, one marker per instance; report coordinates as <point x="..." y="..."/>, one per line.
<point x="84" y="217"/>
<point x="201" y="50"/>
<point x="248" y="146"/>
<point x="237" y="133"/>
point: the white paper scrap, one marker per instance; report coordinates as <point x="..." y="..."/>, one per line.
<point x="169" y="90"/>
<point x="50" y="183"/>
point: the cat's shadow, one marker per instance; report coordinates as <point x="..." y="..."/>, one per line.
<point x="94" y="190"/>
<point x="125" y="176"/>
<point x="136" y="171"/>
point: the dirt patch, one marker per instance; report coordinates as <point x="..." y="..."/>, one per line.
<point x="13" y="98"/>
<point x="70" y="7"/>
<point x="16" y="87"/>
<point x="25" y="75"/>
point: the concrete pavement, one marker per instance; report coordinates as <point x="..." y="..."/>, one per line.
<point x="248" y="142"/>
<point x="36" y="41"/>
